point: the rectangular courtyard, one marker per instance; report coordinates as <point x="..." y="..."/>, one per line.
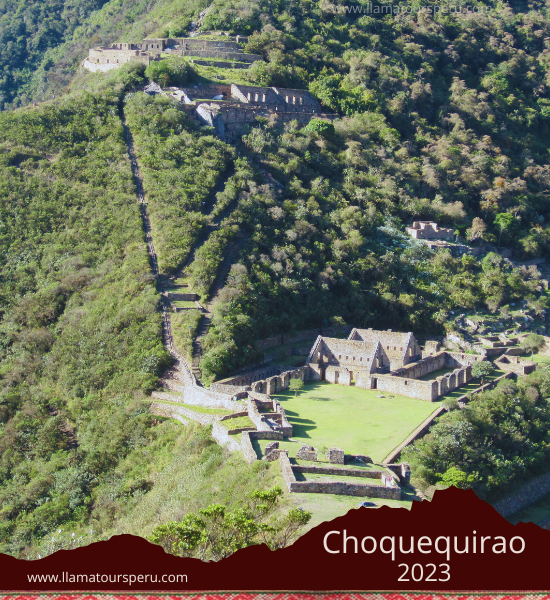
<point x="324" y="415"/>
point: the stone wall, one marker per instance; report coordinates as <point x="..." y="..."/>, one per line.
<point x="529" y="493"/>
<point x="342" y="488"/>
<point x="222" y="437"/>
<point x="247" y="448"/>
<point x="119" y="57"/>
<point x="337" y="471"/>
<point x="515" y="364"/>
<point x="286" y="470"/>
<point x="411" y="388"/>
<point x="244" y="380"/>
<point x="429" y="230"/>
<point x="402" y="470"/>
<point x="246" y="442"/>
<point x="183" y="297"/>
<point x="465" y="359"/>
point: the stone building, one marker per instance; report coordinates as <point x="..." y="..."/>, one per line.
<point x="365" y="352"/>
<point x="119" y="56"/>
<point x="284" y="99"/>
<point x="391" y="362"/>
<point x="429" y="230"/>
<point x="397" y="348"/>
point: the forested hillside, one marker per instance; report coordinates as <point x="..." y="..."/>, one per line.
<point x="443" y="118"/>
<point x="80" y="343"/>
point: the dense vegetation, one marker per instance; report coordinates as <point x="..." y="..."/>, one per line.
<point x="179" y="167"/>
<point x="444" y="117"/>
<point x="80" y="345"/>
<point x="498" y="440"/>
<point x="215" y="533"/>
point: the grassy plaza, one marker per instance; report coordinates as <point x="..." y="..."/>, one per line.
<point x="325" y="415"/>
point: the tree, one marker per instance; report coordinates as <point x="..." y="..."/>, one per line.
<point x="532" y="343"/>
<point x="321" y="126"/>
<point x="504" y="222"/>
<point x="482" y="368"/>
<point x="215" y="533"/>
<point x="477" y="230"/>
<point x="295" y="385"/>
<point x="457" y="478"/>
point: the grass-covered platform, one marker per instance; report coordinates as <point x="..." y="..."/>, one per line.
<point x="325" y="415"/>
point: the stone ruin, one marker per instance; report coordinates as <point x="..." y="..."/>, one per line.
<point x="336" y="456"/>
<point x="307" y="453"/>
<point x="388" y="361"/>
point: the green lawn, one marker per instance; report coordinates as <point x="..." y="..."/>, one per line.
<point x="539" y="358"/>
<point x="325" y="507"/>
<point x="237" y="423"/>
<point x="185" y="304"/>
<point x="325" y="415"/>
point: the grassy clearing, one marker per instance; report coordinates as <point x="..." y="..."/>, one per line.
<point x="325" y="507"/>
<point x="217" y="75"/>
<point x="185" y="304"/>
<point x="237" y="423"/>
<point x="325" y="415"/>
<point x="541" y="359"/>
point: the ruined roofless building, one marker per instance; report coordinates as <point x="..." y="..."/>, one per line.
<point x="119" y="56"/>
<point x="429" y="230"/>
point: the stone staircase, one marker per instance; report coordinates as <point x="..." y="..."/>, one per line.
<point x="217" y="285"/>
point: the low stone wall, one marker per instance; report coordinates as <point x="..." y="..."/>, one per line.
<point x="221" y="64"/>
<point x="530" y="492"/>
<point x="337" y="471"/>
<point x="334" y="487"/>
<point x="342" y="488"/>
<point x="243" y="413"/>
<point x="247" y="448"/>
<point x="184" y="297"/>
<point x="286" y="471"/>
<point x="240" y="430"/>
<point x="416" y="434"/>
<point x="222" y="437"/>
<point x="515" y="364"/>
<point x="411" y="388"/>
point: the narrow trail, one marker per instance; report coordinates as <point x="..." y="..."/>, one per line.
<point x="181" y="368"/>
<point x="223" y="269"/>
<point x="183" y="373"/>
